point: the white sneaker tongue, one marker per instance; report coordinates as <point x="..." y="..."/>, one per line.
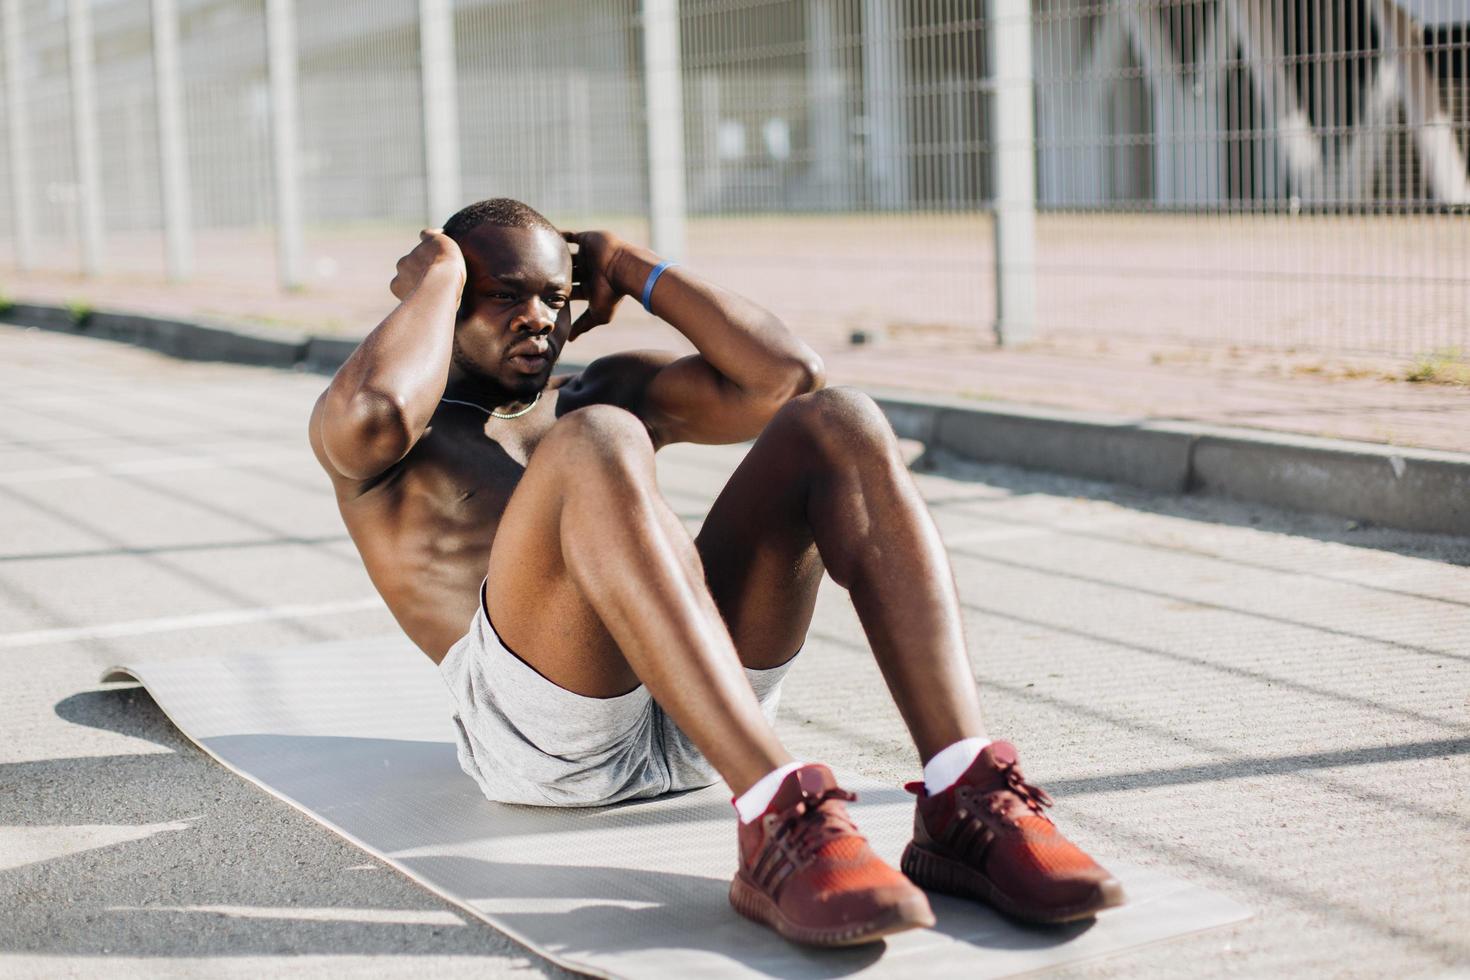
<point x="757" y="800"/>
<point x="950" y="763"/>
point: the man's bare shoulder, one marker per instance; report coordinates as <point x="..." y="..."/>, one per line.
<point x="617" y="379"/>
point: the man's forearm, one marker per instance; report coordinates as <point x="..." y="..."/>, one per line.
<point x="742" y="340"/>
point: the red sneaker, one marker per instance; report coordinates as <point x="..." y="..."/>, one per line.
<point x="806" y="872"/>
<point x="986" y="837"/>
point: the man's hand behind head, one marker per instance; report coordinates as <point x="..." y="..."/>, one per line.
<point x="434" y="247"/>
<point x="594" y="280"/>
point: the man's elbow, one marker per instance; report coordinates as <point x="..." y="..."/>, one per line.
<point x="804" y="374"/>
<point x="813" y="373"/>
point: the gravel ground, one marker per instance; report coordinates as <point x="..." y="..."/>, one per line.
<point x="1272" y="705"/>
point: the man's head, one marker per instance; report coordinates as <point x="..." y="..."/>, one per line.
<point x="515" y="313"/>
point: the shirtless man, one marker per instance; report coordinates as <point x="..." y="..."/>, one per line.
<point x="626" y="659"/>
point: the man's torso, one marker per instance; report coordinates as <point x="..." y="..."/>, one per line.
<point x="425" y="526"/>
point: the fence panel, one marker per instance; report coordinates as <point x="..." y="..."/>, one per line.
<point x="1262" y="173"/>
<point x="127" y="130"/>
<point x="54" y="193"/>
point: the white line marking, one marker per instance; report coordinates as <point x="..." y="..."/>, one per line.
<point x="224" y="617"/>
<point x="406" y="917"/>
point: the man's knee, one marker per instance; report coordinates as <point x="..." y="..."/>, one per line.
<point x="838" y="421"/>
<point x="597" y="434"/>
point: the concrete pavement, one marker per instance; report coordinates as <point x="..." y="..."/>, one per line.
<point x="1274" y="706"/>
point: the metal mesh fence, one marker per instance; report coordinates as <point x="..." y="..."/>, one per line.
<point x="127" y="134"/>
<point x="361" y="133"/>
<point x="550" y="95"/>
<point x="54" y="180"/>
<point x="1269" y="173"/>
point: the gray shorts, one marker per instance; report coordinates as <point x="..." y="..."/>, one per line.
<point x="523" y="739"/>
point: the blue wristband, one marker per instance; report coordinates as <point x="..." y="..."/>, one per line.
<point x="658" y="270"/>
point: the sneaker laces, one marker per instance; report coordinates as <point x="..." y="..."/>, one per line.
<point x="1032" y="795"/>
<point x="810" y="823"/>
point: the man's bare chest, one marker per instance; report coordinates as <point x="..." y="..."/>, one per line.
<point x="459" y="481"/>
<point x="445" y="498"/>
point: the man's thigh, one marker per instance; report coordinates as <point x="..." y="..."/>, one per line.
<point x="536" y="608"/>
<point x="759" y="557"/>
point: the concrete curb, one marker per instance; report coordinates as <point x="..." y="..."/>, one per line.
<point x="1392" y="486"/>
<point x="1410" y="489"/>
<point x="184" y="339"/>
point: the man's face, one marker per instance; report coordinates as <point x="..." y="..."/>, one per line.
<point x="516" y="314"/>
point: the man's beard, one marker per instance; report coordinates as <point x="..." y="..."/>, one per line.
<point x="494" y="388"/>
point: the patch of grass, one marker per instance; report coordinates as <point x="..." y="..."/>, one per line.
<point x="80" y="311"/>
<point x="6" y="303"/>
<point x="1448" y="366"/>
<point x="1336" y="372"/>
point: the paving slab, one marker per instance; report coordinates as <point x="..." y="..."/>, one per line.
<point x="1266" y="704"/>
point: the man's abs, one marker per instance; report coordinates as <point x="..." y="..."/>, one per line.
<point x="424" y="535"/>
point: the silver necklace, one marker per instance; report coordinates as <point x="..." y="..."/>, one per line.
<point x="494" y="414"/>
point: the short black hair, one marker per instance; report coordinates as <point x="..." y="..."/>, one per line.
<point x="501" y="212"/>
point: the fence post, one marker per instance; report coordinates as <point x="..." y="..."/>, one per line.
<point x="663" y="101"/>
<point x="84" y="132"/>
<point x="440" y="109"/>
<point x="885" y="111"/>
<point x="19" y="137"/>
<point x="1014" y="161"/>
<point x="825" y="111"/>
<point x="280" y="30"/>
<point x="173" y="170"/>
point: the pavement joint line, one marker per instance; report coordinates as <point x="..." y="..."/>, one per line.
<point x="1255" y="767"/>
<point x="1302" y="892"/>
<point x="1226" y="669"/>
<point x="164" y="624"/>
<point x="1013" y="532"/>
<point x="1391" y="486"/>
<point x="1088" y="530"/>
<point x="1237" y="610"/>
<point x="161" y="464"/>
<point x="1316" y="768"/>
<point x="138" y="551"/>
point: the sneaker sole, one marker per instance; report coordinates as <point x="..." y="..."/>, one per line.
<point x="751" y="902"/>
<point x="934" y="871"/>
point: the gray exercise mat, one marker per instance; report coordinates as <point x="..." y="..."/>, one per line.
<point x="358" y="736"/>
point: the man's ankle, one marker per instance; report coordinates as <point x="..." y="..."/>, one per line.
<point x="754" y="801"/>
<point x="947" y="765"/>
